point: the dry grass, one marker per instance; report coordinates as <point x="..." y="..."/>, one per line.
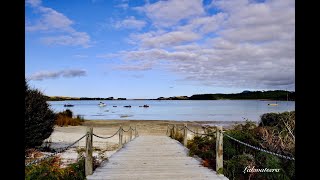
<point x="63" y="120"/>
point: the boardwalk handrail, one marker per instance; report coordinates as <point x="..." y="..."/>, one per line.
<point x="219" y="143"/>
<point x="246" y="144"/>
<point x="89" y="147"/>
<point x="107" y="136"/>
<point x="260" y="149"/>
<point x="201" y="134"/>
<point x="56" y="152"/>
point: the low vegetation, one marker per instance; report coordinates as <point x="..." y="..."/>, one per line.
<point x="50" y="169"/>
<point x="275" y="133"/>
<point x="66" y="118"/>
<point x="53" y="168"/>
<point x="177" y="136"/>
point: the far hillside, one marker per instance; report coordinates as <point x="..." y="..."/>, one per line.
<point x="267" y="95"/>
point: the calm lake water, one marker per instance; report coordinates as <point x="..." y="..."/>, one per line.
<point x="193" y="110"/>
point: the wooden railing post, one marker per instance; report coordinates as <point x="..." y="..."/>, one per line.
<point x="130" y="134"/>
<point x="120" y="136"/>
<point x="89" y="159"/>
<point x="219" y="151"/>
<point x="185" y="135"/>
<point x="135" y="131"/>
<point x="174" y="130"/>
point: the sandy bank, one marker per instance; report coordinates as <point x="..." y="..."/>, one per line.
<point x="64" y="136"/>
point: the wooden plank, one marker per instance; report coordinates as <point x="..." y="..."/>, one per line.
<point x="153" y="157"/>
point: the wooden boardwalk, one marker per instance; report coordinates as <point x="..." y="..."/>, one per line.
<point x="153" y="158"/>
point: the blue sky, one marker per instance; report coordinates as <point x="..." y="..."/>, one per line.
<point x="148" y="49"/>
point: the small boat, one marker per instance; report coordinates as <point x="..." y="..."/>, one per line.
<point x="273" y="104"/>
<point x="145" y="106"/>
<point x="127" y="106"/>
<point x="101" y="104"/>
<point x="68" y="105"/>
<point x="114" y="106"/>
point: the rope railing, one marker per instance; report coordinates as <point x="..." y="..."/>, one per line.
<point x="260" y="149"/>
<point x="60" y="150"/>
<point x="181" y="128"/>
<point x="201" y="134"/>
<point x="108" y="136"/>
<point x="126" y="130"/>
<point x="218" y="133"/>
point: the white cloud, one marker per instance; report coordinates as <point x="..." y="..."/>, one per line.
<point x="52" y="21"/>
<point x="168" y="13"/>
<point x="39" y="76"/>
<point x="80" y="56"/>
<point x="123" y="6"/>
<point x="33" y="2"/>
<point x="258" y="22"/>
<point x="73" y="39"/>
<point x="245" y="44"/>
<point x="165" y="39"/>
<point x="137" y="67"/>
<point x="130" y="23"/>
<point x="206" y="24"/>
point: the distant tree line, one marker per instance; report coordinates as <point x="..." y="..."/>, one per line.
<point x="272" y="95"/>
<point x="58" y="98"/>
<point x="268" y="95"/>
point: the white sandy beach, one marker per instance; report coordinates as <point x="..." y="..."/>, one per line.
<point x="103" y="148"/>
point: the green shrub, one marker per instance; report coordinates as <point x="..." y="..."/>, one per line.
<point x="273" y="129"/>
<point x="204" y="147"/>
<point x="39" y="118"/>
<point x="234" y="167"/>
<point x="50" y="169"/>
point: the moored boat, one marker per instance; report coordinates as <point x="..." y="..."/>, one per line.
<point x="68" y="105"/>
<point x="273" y="104"/>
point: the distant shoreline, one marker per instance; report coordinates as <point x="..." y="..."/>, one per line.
<point x="245" y="95"/>
<point x="168" y="100"/>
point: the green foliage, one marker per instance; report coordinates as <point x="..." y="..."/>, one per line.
<point x="277" y="120"/>
<point x="234" y="167"/>
<point x="272" y="130"/>
<point x="39" y="118"/>
<point x="204" y="147"/>
<point x="50" y="169"/>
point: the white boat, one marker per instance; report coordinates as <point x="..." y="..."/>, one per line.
<point x="101" y="104"/>
<point x="273" y="104"/>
